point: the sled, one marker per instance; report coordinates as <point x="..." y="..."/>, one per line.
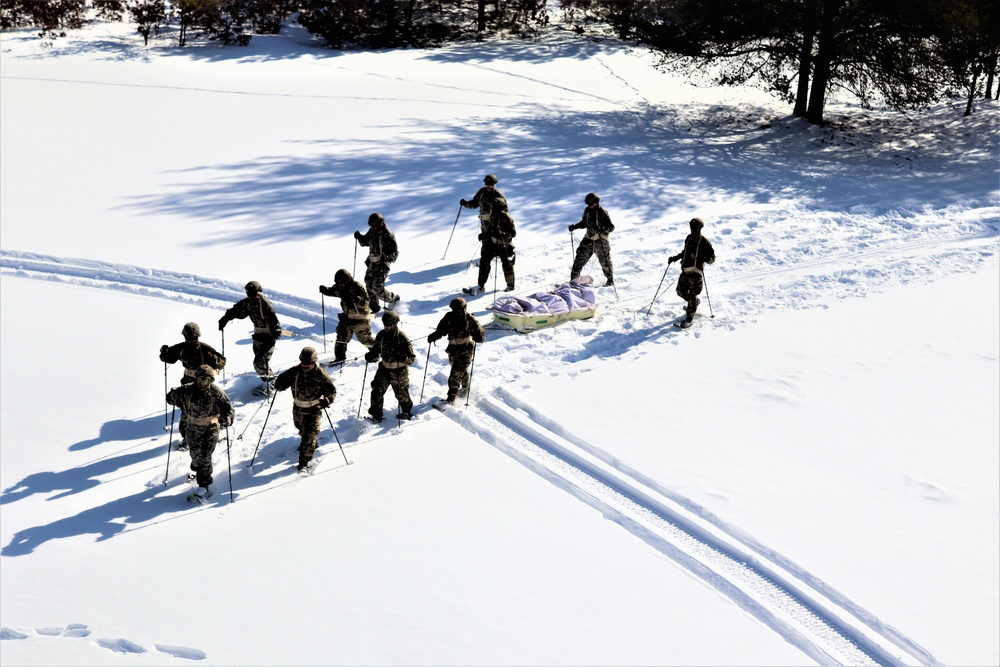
<point x="574" y="300"/>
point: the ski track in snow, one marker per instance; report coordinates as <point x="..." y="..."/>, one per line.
<point x="851" y="260"/>
<point x="806" y="612"/>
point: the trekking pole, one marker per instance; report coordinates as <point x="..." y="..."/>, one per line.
<point x="572" y="248"/>
<point x="250" y="421"/>
<point x="460" y="207"/>
<point x="426" y="364"/>
<point x="223" y="332"/>
<point x="165" y="390"/>
<point x="496" y="270"/>
<point x="472" y="367"/>
<point x="607" y="246"/>
<point x="336" y="436"/>
<point x="322" y="305"/>
<point x="363" y="380"/>
<point x="658" y="288"/>
<point x="707" y="295"/>
<point x="170" y="445"/>
<point x="229" y="466"/>
<point x="355" y="268"/>
<point x="254" y="457"/>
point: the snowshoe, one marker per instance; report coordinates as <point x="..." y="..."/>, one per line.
<point x="508" y="288"/>
<point x="375" y="420"/>
<point x="199" y="495"/>
<point x="683" y="324"/>
<point x="474" y="290"/>
<point x="192" y="476"/>
<point x="307" y="469"/>
<point x="182" y="446"/>
<point x="404" y="416"/>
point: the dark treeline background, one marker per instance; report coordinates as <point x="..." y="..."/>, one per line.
<point x="905" y="55"/>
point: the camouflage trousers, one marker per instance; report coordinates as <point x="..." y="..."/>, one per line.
<point x="375" y="284"/>
<point x="308" y="421"/>
<point x="506" y="255"/>
<point x="586" y="250"/>
<point x="688" y="288"/>
<point x="263" y="348"/>
<point x="201" y="442"/>
<point x="346" y="329"/>
<point x="460" y="358"/>
<point x="399" y="380"/>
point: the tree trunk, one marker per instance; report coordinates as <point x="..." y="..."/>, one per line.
<point x="969" y="104"/>
<point x="481" y="16"/>
<point x="825" y="51"/>
<point x="805" y="57"/>
<point x="991" y="71"/>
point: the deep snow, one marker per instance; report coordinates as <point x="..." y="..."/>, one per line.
<point x="810" y="475"/>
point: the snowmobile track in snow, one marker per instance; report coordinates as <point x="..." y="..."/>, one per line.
<point x="803" y="610"/>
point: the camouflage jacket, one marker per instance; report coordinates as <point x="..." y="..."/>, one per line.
<point x="461" y="328"/>
<point x="261" y="313"/>
<point x="697" y="251"/>
<point x="353" y="299"/>
<point x="381" y="244"/>
<point x="597" y="222"/>
<point x="394" y="347"/>
<point x="200" y="406"/>
<point x="192" y="354"/>
<point x="308" y="385"/>
<point x="500" y="230"/>
<point x="484" y="202"/>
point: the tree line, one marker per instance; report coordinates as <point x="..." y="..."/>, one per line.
<point x="903" y="54"/>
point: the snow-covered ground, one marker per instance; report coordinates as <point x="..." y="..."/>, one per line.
<point x="807" y="475"/>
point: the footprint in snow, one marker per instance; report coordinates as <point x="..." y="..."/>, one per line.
<point x="124" y="646"/>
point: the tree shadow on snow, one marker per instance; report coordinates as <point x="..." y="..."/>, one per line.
<point x="547" y="161"/>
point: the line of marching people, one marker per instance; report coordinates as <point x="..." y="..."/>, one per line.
<point x="205" y="408"/>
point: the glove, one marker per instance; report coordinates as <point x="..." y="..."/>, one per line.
<point x="342" y="317"/>
<point x="163" y="349"/>
<point x="322" y="289"/>
<point x="434" y="337"/>
<point x="370" y="356"/>
<point x="323" y="403"/>
<point x="463" y="202"/>
<point x="479" y="237"/>
<point x="572" y="227"/>
<point x="711" y="261"/>
<point x="225" y="421"/>
<point x="357" y="235"/>
<point x="222" y="323"/>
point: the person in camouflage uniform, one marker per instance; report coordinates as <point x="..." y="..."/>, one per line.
<point x="596" y="239"/>
<point x="205" y="407"/>
<point x="463" y="331"/>
<point x="354" y="318"/>
<point x="397" y="355"/>
<point x="483" y="200"/>
<point x="382" y="252"/>
<point x="312" y="392"/>
<point x="266" y="329"/>
<point x="696" y="253"/>
<point x="496" y="239"/>
<point x="192" y="353"/>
